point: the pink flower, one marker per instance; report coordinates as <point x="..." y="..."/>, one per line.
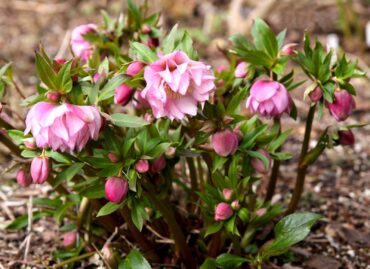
<point x="223" y="211"/>
<point x="258" y="164"/>
<point x="81" y="47"/>
<point x="175" y="85"/>
<point x="139" y="102"/>
<point x="53" y="96"/>
<point x="221" y="68"/>
<point x="315" y="95"/>
<point x="23" y="178"/>
<point x="288" y="49"/>
<point x="116" y="189"/>
<point x="241" y="70"/>
<point x="63" y="127"/>
<point x="123" y="94"/>
<point x="269" y="99"/>
<point x="60" y="61"/>
<point x="158" y="165"/>
<point x="40" y="169"/>
<point x="142" y="166"/>
<point x="342" y="106"/>
<point x="69" y="239"/>
<point x="134" y="68"/>
<point x="346" y="138"/>
<point x="29" y="143"/>
<point x="227" y="193"/>
<point x="225" y="142"/>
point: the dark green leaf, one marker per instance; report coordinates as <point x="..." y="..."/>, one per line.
<point x="230" y="261"/>
<point x="107" y="209"/>
<point x="67" y="174"/>
<point x="134" y="260"/>
<point x="124" y="120"/>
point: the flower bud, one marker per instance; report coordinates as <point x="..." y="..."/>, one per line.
<point x="261" y="211"/>
<point x="29" y="143"/>
<point x="146" y="29"/>
<point x="53" y="96"/>
<point x="148" y="117"/>
<point x="346" y="138"/>
<point x="116" y="189"/>
<point x="221" y="68"/>
<point x="225" y="142"/>
<point x="123" y="94"/>
<point x="170" y="152"/>
<point x="258" y="164"/>
<point x="223" y="211"/>
<point x="134" y="68"/>
<point x="208" y="127"/>
<point x="342" y="106"/>
<point x="69" y="239"/>
<point x="153" y="42"/>
<point x="60" y="61"/>
<point x="98" y="76"/>
<point x="158" y="165"/>
<point x="40" y="169"/>
<point x="110" y="256"/>
<point x="235" y="205"/>
<point x="315" y="95"/>
<point x="113" y="157"/>
<point x="142" y="166"/>
<point x="241" y="70"/>
<point x="227" y="193"/>
<point x="288" y="49"/>
<point x="23" y="178"/>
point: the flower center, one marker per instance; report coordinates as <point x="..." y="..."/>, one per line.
<point x="175" y="95"/>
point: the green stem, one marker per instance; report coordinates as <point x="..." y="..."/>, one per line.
<point x="274" y="173"/>
<point x="302" y="169"/>
<point x="165" y="208"/>
<point x="74" y="259"/>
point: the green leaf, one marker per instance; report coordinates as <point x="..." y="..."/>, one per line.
<point x="16" y="135"/>
<point x="264" y="38"/>
<point x="93" y="192"/>
<point x="135" y="13"/>
<point x="214" y="228"/>
<point x="59" y="157"/>
<point x="209" y="263"/>
<point x="109" y="88"/>
<point x="230" y="261"/>
<point x="107" y="209"/>
<point x="124" y="120"/>
<point x="134" y="260"/>
<point x="29" y="153"/>
<point x="22" y="221"/>
<point x="67" y="174"/>
<point x="280" y="140"/>
<point x="46" y="72"/>
<point x="143" y="52"/>
<point x="289" y="231"/>
<point x="231" y="227"/>
<point x="218" y="162"/>
<point x="138" y="214"/>
<point x="63" y="79"/>
<point x="168" y="43"/>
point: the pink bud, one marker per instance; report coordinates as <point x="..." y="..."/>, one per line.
<point x="110" y="256"/>
<point x="258" y="164"/>
<point x="116" y="189"/>
<point x="134" y="68"/>
<point x="23" y="178"/>
<point x="346" y="138"/>
<point x="170" y="152"/>
<point x="113" y="157"/>
<point x="30" y="143"/>
<point x="225" y="142"/>
<point x="241" y="70"/>
<point x="69" y="239"/>
<point x="98" y="76"/>
<point x="342" y="106"/>
<point x="227" y="193"/>
<point x="261" y="211"/>
<point x="223" y="211"/>
<point x="148" y="117"/>
<point x="142" y="166"/>
<point x="221" y="68"/>
<point x="235" y="205"/>
<point x="315" y="95"/>
<point x="40" y="169"/>
<point x="53" y="96"/>
<point x="288" y="49"/>
<point x="153" y="42"/>
<point x="208" y="127"/>
<point x="158" y="165"/>
<point x="146" y="29"/>
<point x="60" y="61"/>
<point x="123" y="94"/>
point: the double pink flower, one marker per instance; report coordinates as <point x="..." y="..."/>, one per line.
<point x="63" y="127"/>
<point x="175" y="85"/>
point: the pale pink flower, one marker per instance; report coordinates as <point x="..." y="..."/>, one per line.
<point x="241" y="70"/>
<point x="342" y="106"/>
<point x="223" y="211"/>
<point x="269" y="99"/>
<point x="63" y="127"/>
<point x="227" y="193"/>
<point x="80" y="46"/>
<point x="175" y="85"/>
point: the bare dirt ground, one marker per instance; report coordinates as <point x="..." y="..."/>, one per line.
<point x="337" y="186"/>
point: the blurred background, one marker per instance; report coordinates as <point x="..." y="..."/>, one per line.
<point x="338" y="184"/>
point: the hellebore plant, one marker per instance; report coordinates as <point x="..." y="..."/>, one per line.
<point x="153" y="157"/>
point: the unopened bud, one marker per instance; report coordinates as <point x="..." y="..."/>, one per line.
<point x="53" y="96"/>
<point x="225" y="142"/>
<point x="113" y="157"/>
<point x="346" y="138"/>
<point x="116" y="189"/>
<point x="227" y="193"/>
<point x="69" y="239"/>
<point x="158" y="165"/>
<point x="315" y="95"/>
<point x="23" y="178"/>
<point x="170" y="152"/>
<point x="235" y="205"/>
<point x="40" y="169"/>
<point x="134" y="68"/>
<point x="223" y="211"/>
<point x="142" y="166"/>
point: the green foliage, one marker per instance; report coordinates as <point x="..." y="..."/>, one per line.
<point x="134" y="260"/>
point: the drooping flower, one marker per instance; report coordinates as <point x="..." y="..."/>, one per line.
<point x="175" y="85"/>
<point x="223" y="211"/>
<point x="225" y="142"/>
<point x="241" y="70"/>
<point x="63" y="127"/>
<point x="342" y="106"/>
<point x="116" y="189"/>
<point x="40" y="169"/>
<point x="259" y="165"/>
<point x="80" y="46"/>
<point x="269" y="99"/>
<point x="315" y="95"/>
<point x="23" y="178"/>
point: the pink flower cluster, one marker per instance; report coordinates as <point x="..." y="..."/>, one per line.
<point x="63" y="127"/>
<point x="175" y="85"/>
<point x="80" y="46"/>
